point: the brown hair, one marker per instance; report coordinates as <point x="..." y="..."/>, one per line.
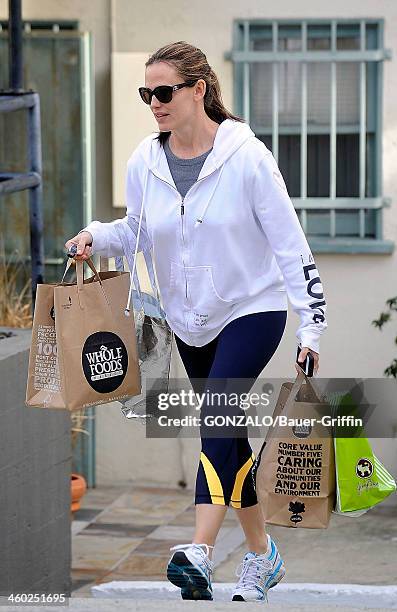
<point x="191" y="63"/>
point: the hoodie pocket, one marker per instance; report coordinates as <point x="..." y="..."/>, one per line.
<point x="192" y="295"/>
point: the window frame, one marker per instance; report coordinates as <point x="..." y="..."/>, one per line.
<point x="242" y="56"/>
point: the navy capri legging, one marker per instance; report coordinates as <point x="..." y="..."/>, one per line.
<point x="240" y="351"/>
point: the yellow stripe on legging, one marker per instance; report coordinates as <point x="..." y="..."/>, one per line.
<point x="214" y="484"/>
<point x="235" y="502"/>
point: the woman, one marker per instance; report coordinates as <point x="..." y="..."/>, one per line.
<point x="227" y="247"/>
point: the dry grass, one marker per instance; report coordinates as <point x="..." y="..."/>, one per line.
<point x="78" y="419"/>
<point x="15" y="304"/>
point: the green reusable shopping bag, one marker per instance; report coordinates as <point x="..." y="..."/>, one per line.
<point x="362" y="481"/>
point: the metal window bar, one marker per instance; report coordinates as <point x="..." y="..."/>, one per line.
<point x="376" y="55"/>
<point x="379" y="130"/>
<point x="332" y="58"/>
<point x="363" y="135"/>
<point x="12" y="100"/>
<point x="246" y="74"/>
<point x="332" y="143"/>
<point x="341" y="203"/>
<point x="40" y="25"/>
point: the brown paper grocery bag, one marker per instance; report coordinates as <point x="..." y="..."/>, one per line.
<point x="96" y="342"/>
<point x="295" y="472"/>
<point x="43" y="387"/>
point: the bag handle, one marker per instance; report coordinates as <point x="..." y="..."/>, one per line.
<point x="80" y="272"/>
<point x="301" y="377"/>
<point x="71" y="261"/>
<point x="80" y="279"/>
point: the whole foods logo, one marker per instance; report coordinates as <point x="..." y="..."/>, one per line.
<point x="302" y="431"/>
<point x="364" y="468"/>
<point x="105" y="361"/>
<point x="297" y="508"/>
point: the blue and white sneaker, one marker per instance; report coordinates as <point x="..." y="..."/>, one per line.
<point x="190" y="569"/>
<point x="258" y="574"/>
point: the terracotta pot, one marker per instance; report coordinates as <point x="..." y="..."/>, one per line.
<point x="78" y="488"/>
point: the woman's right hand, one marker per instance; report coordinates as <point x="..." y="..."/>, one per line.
<point x="83" y="241"/>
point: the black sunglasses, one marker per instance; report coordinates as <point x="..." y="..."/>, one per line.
<point x="163" y="93"/>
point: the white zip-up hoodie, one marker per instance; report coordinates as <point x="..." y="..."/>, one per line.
<point x="232" y="246"/>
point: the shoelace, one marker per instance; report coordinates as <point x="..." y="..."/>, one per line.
<point x="198" y="549"/>
<point x="252" y="569"/>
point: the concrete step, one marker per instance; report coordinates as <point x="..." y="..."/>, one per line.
<point x="291" y="594"/>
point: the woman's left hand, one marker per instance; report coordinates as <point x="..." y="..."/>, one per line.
<point x="302" y="356"/>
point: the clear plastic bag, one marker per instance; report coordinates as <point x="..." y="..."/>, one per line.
<point x="154" y="336"/>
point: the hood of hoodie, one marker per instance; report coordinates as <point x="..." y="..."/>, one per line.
<point x="230" y="136"/>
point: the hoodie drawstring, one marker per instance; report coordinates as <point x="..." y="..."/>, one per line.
<point x="132" y="272"/>
<point x="200" y="219"/>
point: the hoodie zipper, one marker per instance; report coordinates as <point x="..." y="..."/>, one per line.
<point x="183" y="244"/>
<point x="182" y="208"/>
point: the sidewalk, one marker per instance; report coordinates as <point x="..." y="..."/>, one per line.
<point x="124" y="534"/>
<point x="134" y="605"/>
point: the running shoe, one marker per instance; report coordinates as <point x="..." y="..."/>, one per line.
<point x="258" y="573"/>
<point x="190" y="569"/>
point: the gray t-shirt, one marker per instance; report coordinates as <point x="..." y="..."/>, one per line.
<point x="184" y="171"/>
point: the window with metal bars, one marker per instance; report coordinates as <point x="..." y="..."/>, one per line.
<point x="312" y="91"/>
